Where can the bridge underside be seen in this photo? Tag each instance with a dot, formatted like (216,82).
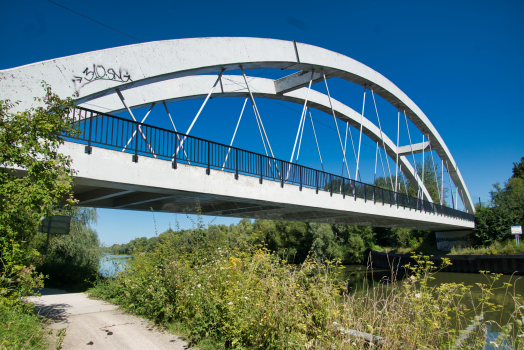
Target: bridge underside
(109,179)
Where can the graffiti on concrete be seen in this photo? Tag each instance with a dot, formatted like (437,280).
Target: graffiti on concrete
(99,72)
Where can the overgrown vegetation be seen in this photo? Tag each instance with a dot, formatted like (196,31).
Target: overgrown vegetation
(34,178)
(243,296)
(508,247)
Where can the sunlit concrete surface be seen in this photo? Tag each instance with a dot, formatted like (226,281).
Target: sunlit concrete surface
(109,179)
(96,74)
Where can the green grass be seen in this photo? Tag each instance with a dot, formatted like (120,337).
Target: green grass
(20,328)
(508,247)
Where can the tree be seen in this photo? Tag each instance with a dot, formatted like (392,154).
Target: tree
(506,209)
(34,178)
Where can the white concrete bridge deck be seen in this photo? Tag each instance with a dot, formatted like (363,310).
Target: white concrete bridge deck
(110,179)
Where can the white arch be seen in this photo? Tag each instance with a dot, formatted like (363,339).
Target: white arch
(197,86)
(95,74)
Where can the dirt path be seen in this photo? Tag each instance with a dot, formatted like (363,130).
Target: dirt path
(94,324)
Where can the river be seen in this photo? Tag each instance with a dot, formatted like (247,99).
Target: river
(358,276)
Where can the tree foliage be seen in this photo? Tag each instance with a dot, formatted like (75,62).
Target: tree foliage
(506,209)
(34,177)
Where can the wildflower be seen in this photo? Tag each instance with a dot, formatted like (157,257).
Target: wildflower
(418,295)
(230,303)
(198,285)
(246,298)
(335,323)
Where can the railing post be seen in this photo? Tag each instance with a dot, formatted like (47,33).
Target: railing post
(260,156)
(174,164)
(316,172)
(135,156)
(208,170)
(365,195)
(382,197)
(236,163)
(374,195)
(88,149)
(282,174)
(343,188)
(300,188)
(331,185)
(355,189)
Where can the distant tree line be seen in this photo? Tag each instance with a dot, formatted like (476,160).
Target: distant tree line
(291,240)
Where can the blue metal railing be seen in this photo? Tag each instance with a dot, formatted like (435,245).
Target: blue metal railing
(141,139)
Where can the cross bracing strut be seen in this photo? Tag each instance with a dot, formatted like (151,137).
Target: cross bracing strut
(360,135)
(134,119)
(316,140)
(382,138)
(134,132)
(234,134)
(200,110)
(174,128)
(300,125)
(336,125)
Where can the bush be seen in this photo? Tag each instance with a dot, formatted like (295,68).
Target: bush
(248,298)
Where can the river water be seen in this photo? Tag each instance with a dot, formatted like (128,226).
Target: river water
(110,264)
(359,276)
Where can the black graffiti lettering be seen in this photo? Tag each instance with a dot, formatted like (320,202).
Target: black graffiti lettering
(100,72)
(111,74)
(98,75)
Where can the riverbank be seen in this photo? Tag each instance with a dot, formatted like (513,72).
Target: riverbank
(472,263)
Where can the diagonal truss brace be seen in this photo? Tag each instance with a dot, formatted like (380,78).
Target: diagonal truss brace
(134,119)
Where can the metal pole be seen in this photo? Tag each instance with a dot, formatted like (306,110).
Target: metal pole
(412,154)
(423,160)
(335,120)
(360,138)
(316,141)
(442,185)
(134,119)
(450,186)
(143,120)
(396,162)
(376,160)
(300,126)
(256,111)
(434,166)
(201,108)
(234,134)
(236,163)
(88,148)
(174,128)
(382,138)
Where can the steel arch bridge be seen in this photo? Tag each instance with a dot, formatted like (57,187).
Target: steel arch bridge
(123,79)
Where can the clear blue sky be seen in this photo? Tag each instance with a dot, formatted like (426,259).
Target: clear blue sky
(459,61)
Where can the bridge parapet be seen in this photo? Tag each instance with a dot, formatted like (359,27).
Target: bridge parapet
(139,140)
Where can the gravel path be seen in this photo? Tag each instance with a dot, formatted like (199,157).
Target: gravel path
(95,324)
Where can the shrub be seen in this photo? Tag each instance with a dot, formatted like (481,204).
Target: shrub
(249,298)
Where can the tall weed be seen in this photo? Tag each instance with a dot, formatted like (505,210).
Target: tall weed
(249,298)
